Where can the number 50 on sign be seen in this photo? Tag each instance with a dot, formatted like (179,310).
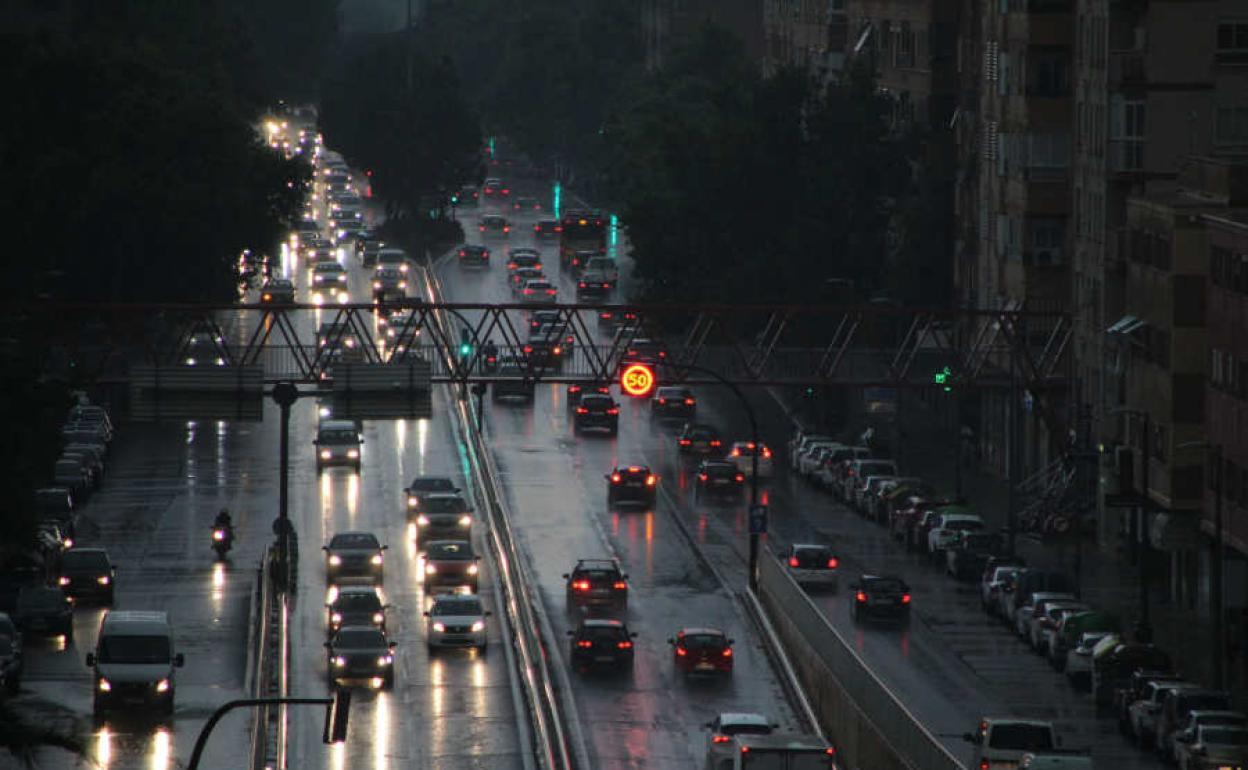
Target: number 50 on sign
(637,380)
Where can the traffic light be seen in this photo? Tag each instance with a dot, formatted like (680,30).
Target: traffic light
(491,148)
(336,717)
(465,344)
(944,378)
(558,196)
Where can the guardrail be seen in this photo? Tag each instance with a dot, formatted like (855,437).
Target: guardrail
(528,622)
(876,730)
(268,667)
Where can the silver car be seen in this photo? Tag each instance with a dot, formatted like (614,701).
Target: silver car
(456,620)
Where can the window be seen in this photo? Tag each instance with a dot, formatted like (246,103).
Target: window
(1047,238)
(1189,300)
(1048,72)
(1188,398)
(1048,150)
(1231,125)
(1233,37)
(905,46)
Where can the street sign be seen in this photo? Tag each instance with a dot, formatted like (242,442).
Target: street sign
(637,380)
(758,520)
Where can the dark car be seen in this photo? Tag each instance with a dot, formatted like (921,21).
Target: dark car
(441,516)
(601,644)
(355,606)
(21,572)
(697,438)
(719,478)
(965,559)
(472,255)
(880,596)
(644,349)
(45,610)
(701,651)
(547,228)
(514,380)
(597,583)
(525,205)
(87,573)
(57,504)
(545,348)
(596,412)
(631,484)
(577,391)
(671,401)
(493,226)
(451,563)
(360,654)
(354,556)
(277,291)
(424,484)
(592,287)
(337,443)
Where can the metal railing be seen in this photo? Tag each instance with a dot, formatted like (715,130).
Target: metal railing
(899,730)
(266,680)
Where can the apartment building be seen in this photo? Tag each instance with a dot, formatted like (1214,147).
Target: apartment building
(796,32)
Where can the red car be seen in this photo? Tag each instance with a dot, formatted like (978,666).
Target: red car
(702,651)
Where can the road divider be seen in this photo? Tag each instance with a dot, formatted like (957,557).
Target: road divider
(559,742)
(268,666)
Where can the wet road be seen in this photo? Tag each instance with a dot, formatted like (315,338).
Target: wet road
(953,666)
(165,485)
(555,487)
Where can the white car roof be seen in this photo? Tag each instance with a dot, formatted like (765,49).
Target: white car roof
(136,622)
(743,718)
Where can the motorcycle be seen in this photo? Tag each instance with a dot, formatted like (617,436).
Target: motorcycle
(222,541)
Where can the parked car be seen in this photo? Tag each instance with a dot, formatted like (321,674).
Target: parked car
(1078,666)
(45,610)
(1176,707)
(1213,746)
(968,553)
(946,529)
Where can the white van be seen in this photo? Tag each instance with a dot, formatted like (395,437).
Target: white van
(1053,760)
(1001,742)
(134,662)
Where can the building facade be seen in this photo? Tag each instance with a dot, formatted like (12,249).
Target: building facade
(666,24)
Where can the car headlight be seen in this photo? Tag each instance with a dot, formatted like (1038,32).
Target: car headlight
(385,660)
(334,560)
(378,618)
(431,569)
(478,625)
(104,685)
(439,627)
(326,454)
(376,284)
(376,558)
(413,501)
(354,454)
(422,520)
(190,361)
(324,411)
(472,569)
(465,520)
(335,618)
(402,284)
(340,661)
(162,685)
(344,298)
(103,580)
(63,580)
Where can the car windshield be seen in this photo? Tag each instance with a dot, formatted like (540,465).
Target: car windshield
(457,607)
(360,638)
(598,402)
(134,649)
(701,433)
(40,598)
(602,633)
(444,504)
(1225,737)
(339,437)
(1021,737)
(748,728)
(450,550)
(83,560)
(964,524)
(702,641)
(432,484)
(361,602)
(354,540)
(596,575)
(885,585)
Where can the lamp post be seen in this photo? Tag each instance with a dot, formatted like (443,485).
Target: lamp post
(1218,560)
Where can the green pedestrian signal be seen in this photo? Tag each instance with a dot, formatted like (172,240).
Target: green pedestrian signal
(944,377)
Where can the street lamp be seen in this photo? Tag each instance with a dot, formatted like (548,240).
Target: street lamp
(1144,629)
(1219,559)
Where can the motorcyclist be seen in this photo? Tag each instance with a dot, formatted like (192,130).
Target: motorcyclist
(223,522)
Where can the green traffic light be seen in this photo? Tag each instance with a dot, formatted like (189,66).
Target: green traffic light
(944,377)
(558,195)
(465,349)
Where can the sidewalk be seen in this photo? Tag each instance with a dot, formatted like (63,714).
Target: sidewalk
(1105,573)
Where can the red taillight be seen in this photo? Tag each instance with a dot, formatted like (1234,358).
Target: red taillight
(727,652)
(552,292)
(581,285)
(605,315)
(716,442)
(537,266)
(985,765)
(684,442)
(651,479)
(689,402)
(766,453)
(580,585)
(860,596)
(831,752)
(681,652)
(662,401)
(584,644)
(740,477)
(582,410)
(793,562)
(574,389)
(832,563)
(537,228)
(512,265)
(721,739)
(506,191)
(528,349)
(559,228)
(506,228)
(615,478)
(905,598)
(736,451)
(620,585)
(624,645)
(702,477)
(612,410)
(527,290)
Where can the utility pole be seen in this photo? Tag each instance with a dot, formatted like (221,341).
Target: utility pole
(285,394)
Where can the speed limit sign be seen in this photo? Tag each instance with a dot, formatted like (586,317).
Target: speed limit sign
(637,380)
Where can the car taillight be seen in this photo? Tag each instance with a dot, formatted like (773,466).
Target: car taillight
(905,598)
(506,191)
(985,765)
(506,228)
(766,453)
(615,478)
(662,401)
(552,292)
(716,442)
(537,228)
(581,285)
(860,596)
(559,228)
(681,652)
(793,562)
(605,315)
(624,645)
(582,410)
(580,585)
(684,442)
(612,410)
(702,477)
(584,644)
(721,739)
(620,585)
(527,290)
(574,388)
(482,228)
(727,652)
(689,402)
(736,452)
(740,477)
(511,265)
(832,563)
(651,479)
